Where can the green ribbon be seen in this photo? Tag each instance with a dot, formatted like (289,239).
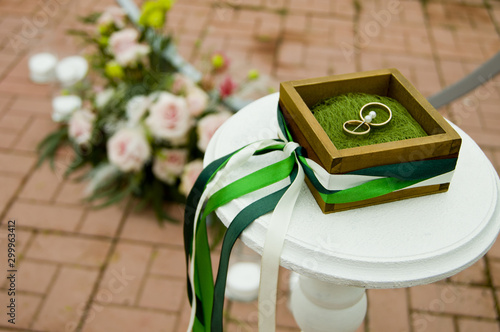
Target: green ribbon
(400,177)
(252,182)
(209,298)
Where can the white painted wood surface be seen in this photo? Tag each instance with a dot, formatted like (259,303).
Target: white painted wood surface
(393,245)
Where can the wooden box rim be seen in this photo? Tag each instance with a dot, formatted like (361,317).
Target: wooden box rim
(329,156)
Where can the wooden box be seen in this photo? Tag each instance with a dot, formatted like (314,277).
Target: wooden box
(297,97)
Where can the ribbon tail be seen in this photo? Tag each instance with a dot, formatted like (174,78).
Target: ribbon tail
(237,226)
(271,253)
(201,288)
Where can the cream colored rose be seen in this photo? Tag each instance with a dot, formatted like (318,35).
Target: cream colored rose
(80,126)
(197,100)
(169,164)
(102,98)
(207,127)
(189,176)
(169,118)
(128,149)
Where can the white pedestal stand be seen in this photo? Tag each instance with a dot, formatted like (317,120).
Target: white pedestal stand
(394,245)
(320,306)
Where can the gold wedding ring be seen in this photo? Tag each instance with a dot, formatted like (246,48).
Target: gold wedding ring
(366,120)
(376,105)
(356,123)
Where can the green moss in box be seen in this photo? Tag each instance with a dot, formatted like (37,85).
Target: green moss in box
(331,114)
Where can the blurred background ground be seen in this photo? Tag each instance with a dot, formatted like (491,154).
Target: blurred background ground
(117,270)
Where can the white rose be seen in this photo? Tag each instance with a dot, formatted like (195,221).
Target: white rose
(136,108)
(126,49)
(102,98)
(128,149)
(64,106)
(169,118)
(197,100)
(189,176)
(207,127)
(80,126)
(169,164)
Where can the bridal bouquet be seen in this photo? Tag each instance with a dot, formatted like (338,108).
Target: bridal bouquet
(142,118)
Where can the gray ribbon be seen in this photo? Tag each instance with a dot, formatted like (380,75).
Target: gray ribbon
(481,75)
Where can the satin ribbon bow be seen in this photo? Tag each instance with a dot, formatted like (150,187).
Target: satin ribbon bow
(211,192)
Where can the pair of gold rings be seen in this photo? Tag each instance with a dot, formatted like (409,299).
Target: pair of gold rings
(366,120)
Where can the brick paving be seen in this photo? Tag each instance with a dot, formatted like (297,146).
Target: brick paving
(116,270)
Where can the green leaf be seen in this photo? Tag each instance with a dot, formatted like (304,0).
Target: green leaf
(85,36)
(48,147)
(76,164)
(141,205)
(79,33)
(90,19)
(115,198)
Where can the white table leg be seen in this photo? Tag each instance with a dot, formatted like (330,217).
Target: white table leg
(325,307)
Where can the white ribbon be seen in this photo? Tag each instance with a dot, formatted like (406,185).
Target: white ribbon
(273,246)
(338,181)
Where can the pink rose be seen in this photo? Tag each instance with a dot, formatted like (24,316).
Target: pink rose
(189,176)
(169,118)
(207,127)
(227,87)
(80,126)
(112,15)
(126,49)
(181,84)
(197,100)
(136,108)
(169,164)
(128,149)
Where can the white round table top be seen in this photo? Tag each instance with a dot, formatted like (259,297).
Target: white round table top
(398,244)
